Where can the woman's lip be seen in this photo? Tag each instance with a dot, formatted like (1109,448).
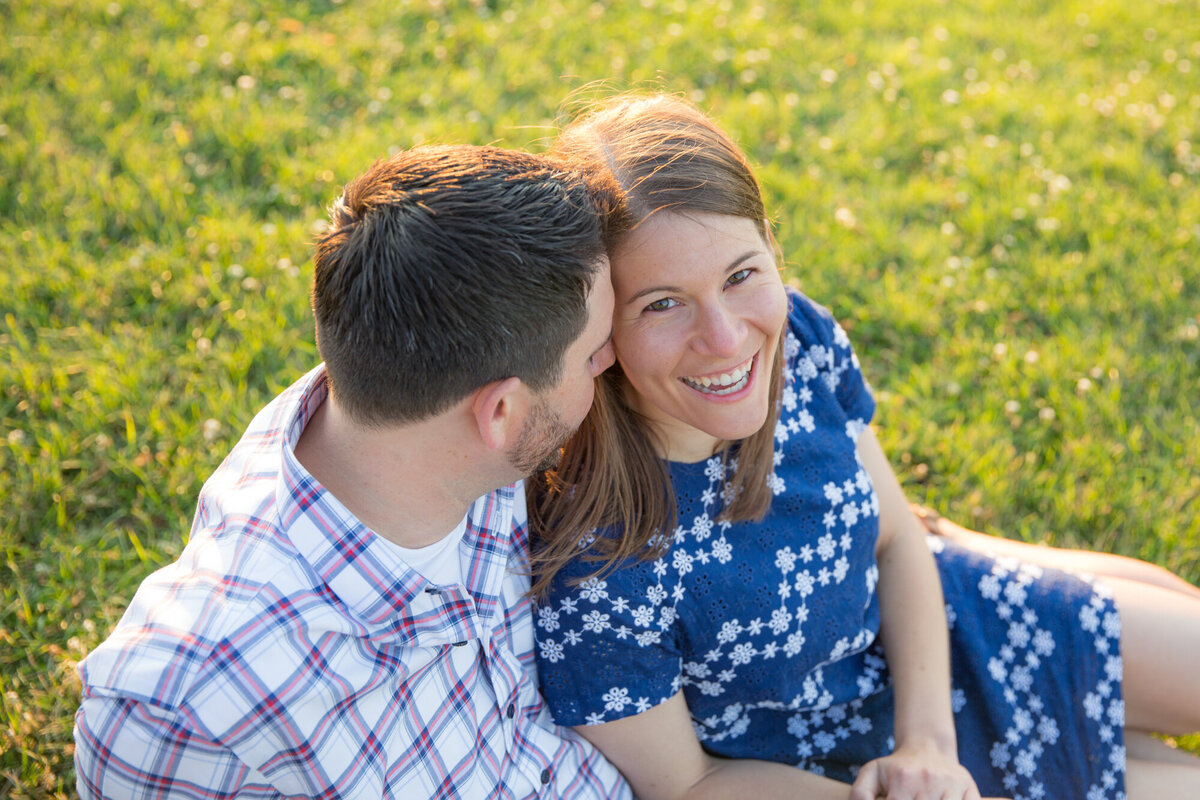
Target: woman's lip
(722,393)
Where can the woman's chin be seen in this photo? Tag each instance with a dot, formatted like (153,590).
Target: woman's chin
(741,428)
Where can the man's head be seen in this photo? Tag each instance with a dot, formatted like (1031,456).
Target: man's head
(449,268)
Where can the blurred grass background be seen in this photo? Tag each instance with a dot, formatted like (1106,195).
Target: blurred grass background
(998,199)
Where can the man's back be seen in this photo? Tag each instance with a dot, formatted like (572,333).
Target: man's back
(291,652)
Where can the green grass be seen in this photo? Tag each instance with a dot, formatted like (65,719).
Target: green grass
(999,200)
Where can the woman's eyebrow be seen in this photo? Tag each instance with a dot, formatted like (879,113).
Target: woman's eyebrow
(654,289)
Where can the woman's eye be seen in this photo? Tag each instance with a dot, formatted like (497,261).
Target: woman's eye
(662,305)
(739,276)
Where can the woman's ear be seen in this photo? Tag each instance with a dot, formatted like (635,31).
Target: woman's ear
(499,409)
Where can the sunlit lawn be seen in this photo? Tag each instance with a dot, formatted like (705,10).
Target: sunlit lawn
(999,200)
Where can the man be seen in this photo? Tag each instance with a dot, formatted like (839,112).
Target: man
(349,616)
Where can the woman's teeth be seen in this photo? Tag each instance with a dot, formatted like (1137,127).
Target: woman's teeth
(726,383)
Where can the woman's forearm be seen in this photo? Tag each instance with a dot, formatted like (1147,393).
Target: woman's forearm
(912,612)
(915,641)
(658,753)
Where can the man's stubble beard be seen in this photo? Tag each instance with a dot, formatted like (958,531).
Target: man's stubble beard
(539,447)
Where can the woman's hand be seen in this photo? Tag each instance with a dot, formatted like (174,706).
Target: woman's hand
(915,773)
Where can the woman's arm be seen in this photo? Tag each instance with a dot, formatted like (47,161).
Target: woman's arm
(915,642)
(658,753)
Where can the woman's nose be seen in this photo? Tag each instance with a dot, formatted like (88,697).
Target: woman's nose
(719,332)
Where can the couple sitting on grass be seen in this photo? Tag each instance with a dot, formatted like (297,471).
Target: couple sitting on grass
(723,587)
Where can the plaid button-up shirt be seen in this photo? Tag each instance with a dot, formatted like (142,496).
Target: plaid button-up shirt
(291,652)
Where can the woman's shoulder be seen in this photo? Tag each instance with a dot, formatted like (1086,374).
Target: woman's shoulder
(817,347)
(813,325)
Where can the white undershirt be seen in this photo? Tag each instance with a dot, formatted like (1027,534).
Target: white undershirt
(439,563)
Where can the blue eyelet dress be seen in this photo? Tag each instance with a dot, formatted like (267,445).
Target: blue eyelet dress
(770,628)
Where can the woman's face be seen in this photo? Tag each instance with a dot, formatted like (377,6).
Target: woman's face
(699,308)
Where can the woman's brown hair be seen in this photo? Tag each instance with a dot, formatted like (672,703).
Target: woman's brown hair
(666,156)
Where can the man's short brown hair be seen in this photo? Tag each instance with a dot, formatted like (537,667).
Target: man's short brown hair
(446,268)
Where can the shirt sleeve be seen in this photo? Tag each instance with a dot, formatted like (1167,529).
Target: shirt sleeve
(128,749)
(817,345)
(607,648)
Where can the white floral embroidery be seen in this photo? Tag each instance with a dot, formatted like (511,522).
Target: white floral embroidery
(593,590)
(616,699)
(643,615)
(547,619)
(595,622)
(551,651)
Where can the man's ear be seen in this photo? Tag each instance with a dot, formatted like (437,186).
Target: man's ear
(499,409)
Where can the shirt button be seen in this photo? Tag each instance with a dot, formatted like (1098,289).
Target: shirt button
(545,776)
(512,712)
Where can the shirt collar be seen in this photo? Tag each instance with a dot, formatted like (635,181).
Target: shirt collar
(367,572)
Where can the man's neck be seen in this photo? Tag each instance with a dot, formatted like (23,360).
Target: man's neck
(411,484)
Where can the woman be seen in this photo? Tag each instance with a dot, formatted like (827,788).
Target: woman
(732,580)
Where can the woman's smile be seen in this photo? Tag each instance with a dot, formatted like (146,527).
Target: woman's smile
(723,384)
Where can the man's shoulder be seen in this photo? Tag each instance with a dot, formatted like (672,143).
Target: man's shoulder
(227,587)
(226,597)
